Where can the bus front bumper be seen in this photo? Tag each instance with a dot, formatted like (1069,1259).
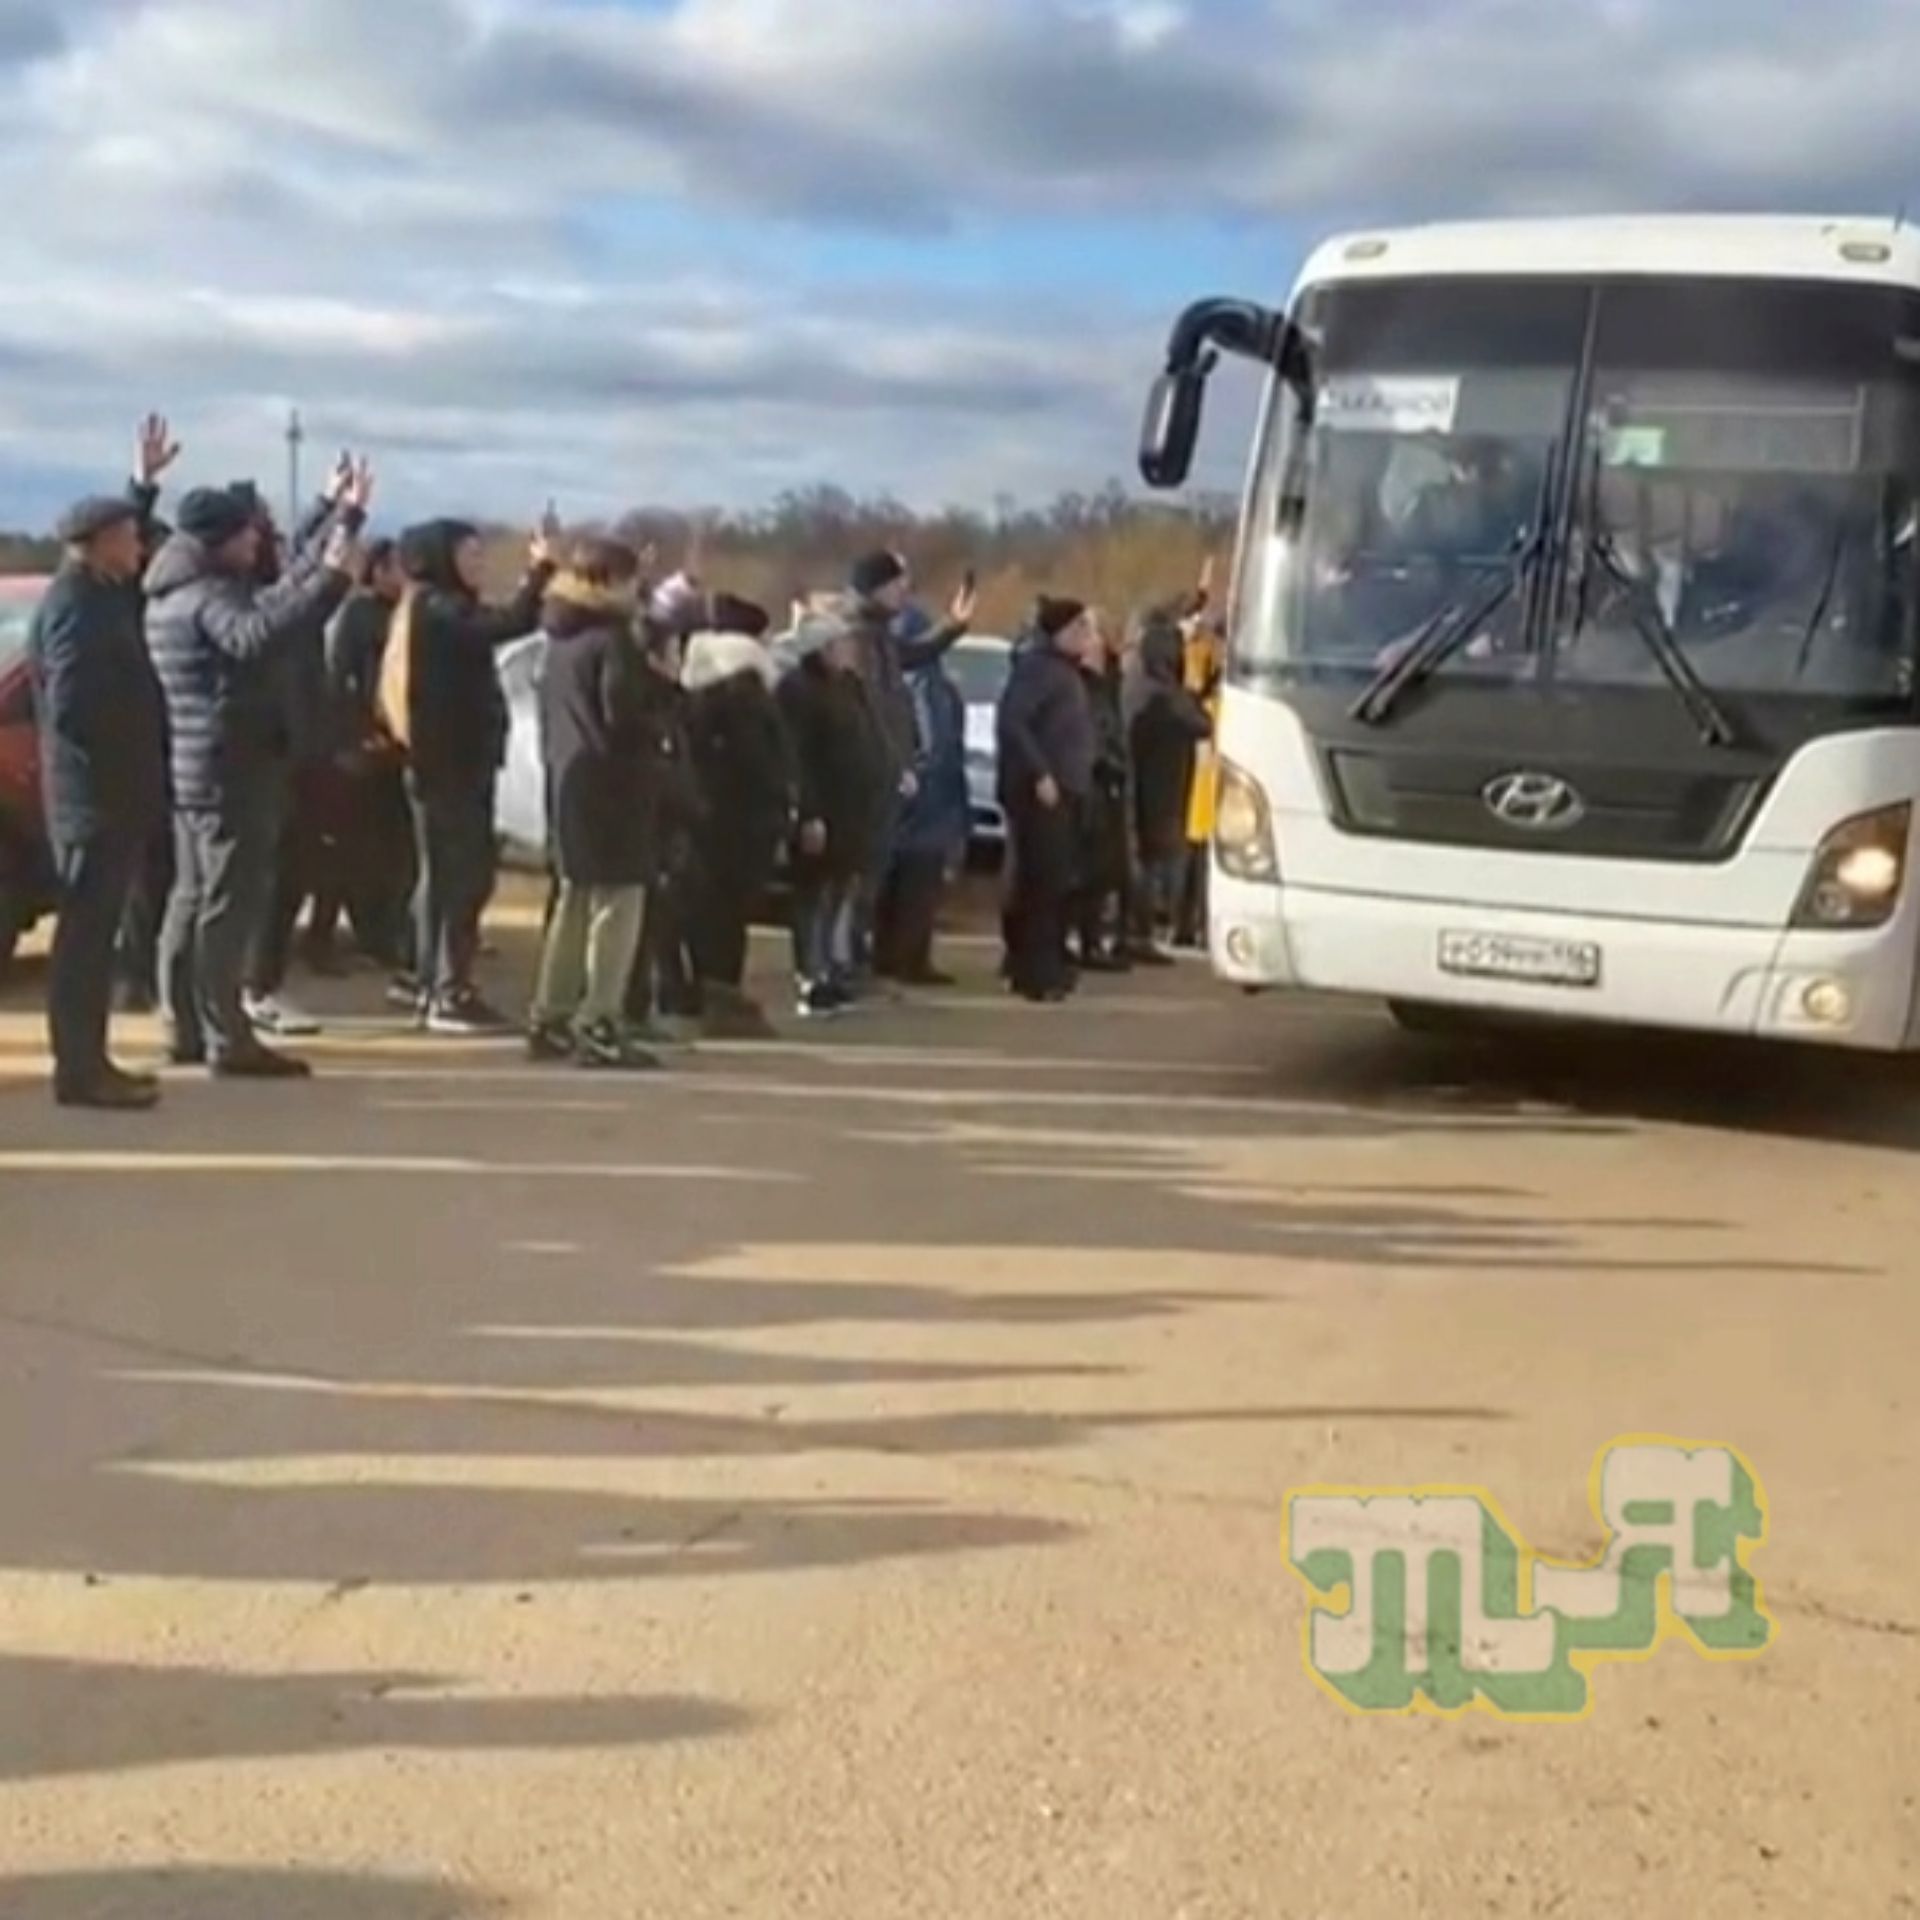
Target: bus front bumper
(1833,989)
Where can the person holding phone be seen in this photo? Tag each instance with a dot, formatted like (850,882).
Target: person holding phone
(441,700)
(877,608)
(932,838)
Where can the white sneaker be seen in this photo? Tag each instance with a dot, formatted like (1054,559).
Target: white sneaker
(269,1013)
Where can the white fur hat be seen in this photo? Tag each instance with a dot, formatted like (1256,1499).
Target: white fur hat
(713,658)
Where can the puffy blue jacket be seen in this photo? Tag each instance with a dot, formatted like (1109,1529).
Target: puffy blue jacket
(215,641)
(939,818)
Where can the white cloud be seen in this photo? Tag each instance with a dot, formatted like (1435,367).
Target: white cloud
(409,213)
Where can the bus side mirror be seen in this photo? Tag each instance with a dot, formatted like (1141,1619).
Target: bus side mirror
(1172,429)
(1206,330)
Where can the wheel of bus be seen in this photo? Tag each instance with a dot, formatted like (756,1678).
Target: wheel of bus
(1432,1021)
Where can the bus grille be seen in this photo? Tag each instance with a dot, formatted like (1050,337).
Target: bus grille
(1624,813)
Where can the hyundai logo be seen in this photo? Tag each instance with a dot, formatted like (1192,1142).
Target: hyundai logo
(1538,802)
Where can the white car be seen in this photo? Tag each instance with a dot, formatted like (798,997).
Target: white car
(981,668)
(520,807)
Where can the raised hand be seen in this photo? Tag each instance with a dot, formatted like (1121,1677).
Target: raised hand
(341,478)
(344,554)
(353,484)
(966,603)
(154,450)
(545,548)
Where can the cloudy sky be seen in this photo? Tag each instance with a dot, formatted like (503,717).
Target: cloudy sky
(696,251)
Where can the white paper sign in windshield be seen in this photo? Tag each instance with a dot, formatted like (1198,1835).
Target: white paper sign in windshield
(1390,403)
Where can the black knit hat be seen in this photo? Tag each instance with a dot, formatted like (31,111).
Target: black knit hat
(213,516)
(426,553)
(1053,617)
(249,495)
(87,519)
(876,573)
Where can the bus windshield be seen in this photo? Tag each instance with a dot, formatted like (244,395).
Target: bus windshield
(1737,461)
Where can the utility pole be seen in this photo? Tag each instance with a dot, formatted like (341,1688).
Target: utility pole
(296,439)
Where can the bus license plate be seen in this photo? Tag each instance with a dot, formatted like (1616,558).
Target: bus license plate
(1499,956)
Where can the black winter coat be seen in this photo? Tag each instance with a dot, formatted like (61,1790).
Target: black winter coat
(103,752)
(1167,732)
(841,760)
(215,639)
(745,766)
(885,661)
(356,648)
(675,803)
(1112,751)
(599,735)
(1106,829)
(301,665)
(1046,727)
(458,714)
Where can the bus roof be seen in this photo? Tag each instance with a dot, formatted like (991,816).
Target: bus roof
(1862,251)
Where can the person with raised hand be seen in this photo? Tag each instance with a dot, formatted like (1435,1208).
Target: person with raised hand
(441,701)
(216,634)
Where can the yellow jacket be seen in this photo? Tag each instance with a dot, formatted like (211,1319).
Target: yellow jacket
(1201,672)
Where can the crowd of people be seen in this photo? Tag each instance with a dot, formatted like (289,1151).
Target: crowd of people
(259,746)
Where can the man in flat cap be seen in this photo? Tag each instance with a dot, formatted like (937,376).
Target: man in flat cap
(103,765)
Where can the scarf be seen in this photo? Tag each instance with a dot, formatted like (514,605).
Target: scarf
(393,705)
(572,590)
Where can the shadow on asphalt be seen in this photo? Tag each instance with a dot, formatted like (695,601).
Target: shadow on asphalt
(283,1373)
(1588,1077)
(237,1893)
(97,1718)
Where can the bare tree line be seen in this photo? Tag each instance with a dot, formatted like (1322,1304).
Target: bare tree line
(1106,547)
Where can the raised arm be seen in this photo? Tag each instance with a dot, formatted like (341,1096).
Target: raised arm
(930,647)
(154,451)
(312,528)
(501,626)
(244,627)
(345,502)
(934,646)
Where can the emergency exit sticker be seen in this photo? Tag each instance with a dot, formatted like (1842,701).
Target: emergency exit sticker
(1390,403)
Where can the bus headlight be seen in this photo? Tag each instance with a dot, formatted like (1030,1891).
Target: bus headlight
(1858,873)
(1243,840)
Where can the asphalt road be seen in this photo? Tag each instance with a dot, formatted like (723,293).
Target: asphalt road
(846,1476)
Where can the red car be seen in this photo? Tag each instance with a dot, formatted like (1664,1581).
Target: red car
(26,876)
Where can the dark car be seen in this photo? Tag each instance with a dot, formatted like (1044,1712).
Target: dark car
(26,874)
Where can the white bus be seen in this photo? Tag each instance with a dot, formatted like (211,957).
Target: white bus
(1576,628)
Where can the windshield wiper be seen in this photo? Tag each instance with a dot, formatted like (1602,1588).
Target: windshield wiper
(1650,623)
(1460,621)
(1829,588)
